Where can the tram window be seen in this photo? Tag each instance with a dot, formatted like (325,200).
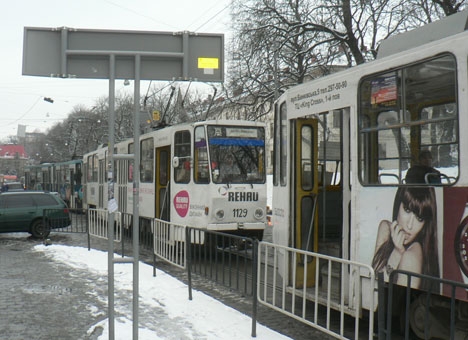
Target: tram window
(78,174)
(89,169)
(404,112)
(182,151)
(116,168)
(163,160)
(283,159)
(237,154)
(307,158)
(92,168)
(275,151)
(201,165)
(146,160)
(130,163)
(102,178)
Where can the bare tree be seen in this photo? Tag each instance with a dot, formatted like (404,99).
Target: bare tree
(180,102)
(87,128)
(280,43)
(449,6)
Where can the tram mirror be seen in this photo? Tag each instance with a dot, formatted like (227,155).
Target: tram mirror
(175,162)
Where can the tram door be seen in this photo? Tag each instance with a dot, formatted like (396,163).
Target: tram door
(162,183)
(305,185)
(102,178)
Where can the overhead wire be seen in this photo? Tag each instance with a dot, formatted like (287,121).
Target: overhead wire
(24,114)
(214,16)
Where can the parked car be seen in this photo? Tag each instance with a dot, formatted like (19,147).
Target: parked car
(14,186)
(35,212)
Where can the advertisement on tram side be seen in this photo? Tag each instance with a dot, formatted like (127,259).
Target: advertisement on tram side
(417,229)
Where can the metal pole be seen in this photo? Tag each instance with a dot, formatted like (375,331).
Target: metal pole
(110,234)
(136,194)
(254,286)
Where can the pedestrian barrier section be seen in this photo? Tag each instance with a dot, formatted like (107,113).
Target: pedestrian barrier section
(76,222)
(146,229)
(225,259)
(315,294)
(98,220)
(424,312)
(145,232)
(61,220)
(169,242)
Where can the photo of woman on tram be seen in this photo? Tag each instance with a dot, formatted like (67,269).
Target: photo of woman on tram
(409,241)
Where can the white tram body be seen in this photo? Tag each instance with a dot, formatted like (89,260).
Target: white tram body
(346,141)
(95,178)
(184,177)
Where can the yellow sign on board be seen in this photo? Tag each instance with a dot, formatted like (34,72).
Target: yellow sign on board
(208,63)
(156,115)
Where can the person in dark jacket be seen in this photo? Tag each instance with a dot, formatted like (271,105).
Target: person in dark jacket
(423,172)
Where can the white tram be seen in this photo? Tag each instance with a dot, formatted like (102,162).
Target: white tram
(345,143)
(208,174)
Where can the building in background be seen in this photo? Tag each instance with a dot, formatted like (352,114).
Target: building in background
(13,159)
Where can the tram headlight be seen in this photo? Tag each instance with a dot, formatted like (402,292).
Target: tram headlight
(259,213)
(219,214)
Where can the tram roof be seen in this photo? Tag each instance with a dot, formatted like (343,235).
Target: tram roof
(451,25)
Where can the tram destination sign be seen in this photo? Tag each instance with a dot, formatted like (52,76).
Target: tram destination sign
(83,53)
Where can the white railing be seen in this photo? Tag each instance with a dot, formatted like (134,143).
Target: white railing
(289,280)
(169,242)
(98,220)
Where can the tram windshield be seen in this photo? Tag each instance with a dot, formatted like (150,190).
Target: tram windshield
(237,154)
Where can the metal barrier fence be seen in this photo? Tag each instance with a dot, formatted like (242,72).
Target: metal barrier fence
(289,286)
(145,235)
(76,223)
(430,315)
(69,221)
(98,220)
(169,242)
(225,259)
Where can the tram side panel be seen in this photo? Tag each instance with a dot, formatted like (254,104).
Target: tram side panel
(401,107)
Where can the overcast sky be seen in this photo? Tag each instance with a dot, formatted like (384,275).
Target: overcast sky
(21,97)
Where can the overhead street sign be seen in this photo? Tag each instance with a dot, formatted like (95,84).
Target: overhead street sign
(84,53)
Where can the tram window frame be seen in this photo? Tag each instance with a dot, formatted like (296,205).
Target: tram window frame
(102,172)
(275,151)
(280,139)
(92,168)
(78,174)
(89,169)
(307,158)
(147,160)
(130,163)
(406,104)
(283,149)
(163,162)
(182,150)
(201,163)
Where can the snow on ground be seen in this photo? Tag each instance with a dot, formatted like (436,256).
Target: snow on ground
(201,318)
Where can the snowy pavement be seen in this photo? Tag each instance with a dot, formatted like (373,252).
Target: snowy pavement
(165,311)
(59,292)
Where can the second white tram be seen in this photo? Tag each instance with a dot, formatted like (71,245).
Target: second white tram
(208,174)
